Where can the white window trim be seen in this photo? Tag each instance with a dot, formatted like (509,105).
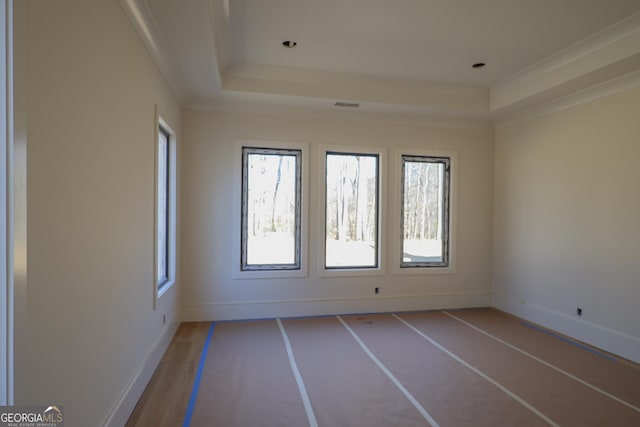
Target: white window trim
(397,209)
(7,205)
(171,237)
(236,270)
(381,152)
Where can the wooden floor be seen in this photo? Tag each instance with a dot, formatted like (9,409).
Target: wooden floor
(477,367)
(164,401)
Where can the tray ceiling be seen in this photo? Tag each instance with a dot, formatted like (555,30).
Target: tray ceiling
(409,57)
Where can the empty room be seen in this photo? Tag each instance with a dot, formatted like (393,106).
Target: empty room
(322,213)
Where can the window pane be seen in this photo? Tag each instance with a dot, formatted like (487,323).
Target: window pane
(271,209)
(351,227)
(163,208)
(425,211)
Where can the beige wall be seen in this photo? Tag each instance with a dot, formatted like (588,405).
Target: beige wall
(208,181)
(566,221)
(90,92)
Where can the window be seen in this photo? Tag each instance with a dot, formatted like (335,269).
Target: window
(165,207)
(271,209)
(425,191)
(351,210)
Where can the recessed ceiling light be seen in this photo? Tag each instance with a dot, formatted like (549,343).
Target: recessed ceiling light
(290,44)
(478,65)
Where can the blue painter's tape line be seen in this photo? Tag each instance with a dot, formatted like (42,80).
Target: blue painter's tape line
(196,381)
(577,344)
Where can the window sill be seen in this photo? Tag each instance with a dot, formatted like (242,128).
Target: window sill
(423,271)
(350,272)
(268,274)
(165,287)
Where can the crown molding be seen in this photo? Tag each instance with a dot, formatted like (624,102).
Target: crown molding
(220,21)
(279,105)
(443,98)
(606,55)
(142,20)
(610,87)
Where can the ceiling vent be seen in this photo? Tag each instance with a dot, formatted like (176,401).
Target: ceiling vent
(347,104)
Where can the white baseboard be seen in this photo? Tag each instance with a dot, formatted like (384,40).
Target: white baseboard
(330,306)
(615,342)
(129,398)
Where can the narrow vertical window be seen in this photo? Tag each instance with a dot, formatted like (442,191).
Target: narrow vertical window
(271,209)
(425,211)
(351,210)
(165,208)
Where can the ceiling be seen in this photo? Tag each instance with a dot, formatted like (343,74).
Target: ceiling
(400,58)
